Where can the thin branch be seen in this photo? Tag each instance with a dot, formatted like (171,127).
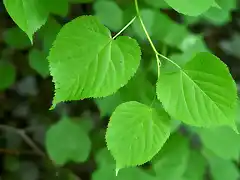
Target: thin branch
(148,37)
(25,137)
(124,28)
(16,152)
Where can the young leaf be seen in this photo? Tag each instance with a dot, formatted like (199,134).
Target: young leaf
(86,62)
(7,75)
(67,141)
(108,173)
(202,93)
(28,15)
(108,104)
(104,158)
(16,38)
(48,33)
(136,133)
(110,14)
(171,161)
(59,7)
(196,166)
(38,61)
(217,16)
(222,141)
(189,7)
(227,5)
(221,169)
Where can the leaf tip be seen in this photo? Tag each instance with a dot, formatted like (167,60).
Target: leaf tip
(117,171)
(52,107)
(30,38)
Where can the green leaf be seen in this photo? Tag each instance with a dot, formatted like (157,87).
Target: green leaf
(189,7)
(38,61)
(108,104)
(196,166)
(110,14)
(104,158)
(86,62)
(108,173)
(147,93)
(16,38)
(136,133)
(7,75)
(67,141)
(48,33)
(221,169)
(59,7)
(221,141)
(85,122)
(157,3)
(170,163)
(227,5)
(28,15)
(203,92)
(217,16)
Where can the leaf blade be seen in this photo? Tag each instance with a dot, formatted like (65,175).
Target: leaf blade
(94,64)
(28,15)
(149,131)
(205,90)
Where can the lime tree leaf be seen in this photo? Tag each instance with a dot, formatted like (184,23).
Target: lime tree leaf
(221,169)
(171,162)
(189,7)
(110,14)
(136,133)
(7,75)
(48,33)
(222,141)
(108,104)
(203,92)
(196,166)
(28,15)
(38,61)
(108,173)
(67,141)
(86,62)
(16,38)
(157,3)
(104,158)
(59,7)
(217,16)
(85,122)
(227,5)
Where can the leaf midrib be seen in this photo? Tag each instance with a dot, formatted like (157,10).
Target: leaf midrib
(195,84)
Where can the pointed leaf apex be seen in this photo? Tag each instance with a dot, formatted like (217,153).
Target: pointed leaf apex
(117,171)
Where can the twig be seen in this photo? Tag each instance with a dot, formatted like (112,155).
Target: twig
(16,152)
(25,137)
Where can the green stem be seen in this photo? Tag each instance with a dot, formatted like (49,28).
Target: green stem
(151,43)
(148,37)
(124,28)
(164,57)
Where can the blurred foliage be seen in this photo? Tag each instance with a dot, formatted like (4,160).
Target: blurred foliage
(74,133)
